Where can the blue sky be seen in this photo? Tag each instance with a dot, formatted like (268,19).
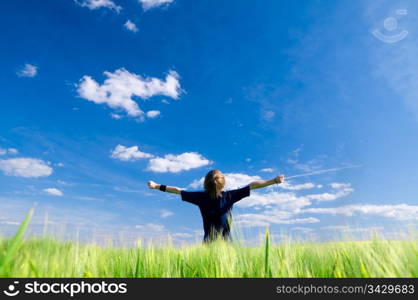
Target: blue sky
(100,96)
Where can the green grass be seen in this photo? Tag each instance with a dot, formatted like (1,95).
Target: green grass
(48,257)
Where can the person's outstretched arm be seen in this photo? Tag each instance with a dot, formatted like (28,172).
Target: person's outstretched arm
(168,189)
(263,183)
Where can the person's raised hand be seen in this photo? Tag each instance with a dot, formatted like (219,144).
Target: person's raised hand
(152,184)
(279,178)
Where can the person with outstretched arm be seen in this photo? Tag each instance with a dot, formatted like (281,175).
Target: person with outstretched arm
(215,204)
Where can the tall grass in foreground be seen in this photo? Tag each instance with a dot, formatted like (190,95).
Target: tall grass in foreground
(47,257)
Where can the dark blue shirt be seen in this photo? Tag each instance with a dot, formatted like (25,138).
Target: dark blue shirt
(216,212)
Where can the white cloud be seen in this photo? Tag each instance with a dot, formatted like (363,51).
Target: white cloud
(304,186)
(237,180)
(115,116)
(119,88)
(262,220)
(289,202)
(62,182)
(28,71)
(148,4)
(96,4)
(297,202)
(282,208)
(8,151)
(343,189)
(128,153)
(303,229)
(274,207)
(338,185)
(197,183)
(347,228)
(53,192)
(177,163)
(12,151)
(309,166)
(336,227)
(164,213)
(318,172)
(182,235)
(153,113)
(131,26)
(25,167)
(88,198)
(12,223)
(291,161)
(150,227)
(267,170)
(268,115)
(399,211)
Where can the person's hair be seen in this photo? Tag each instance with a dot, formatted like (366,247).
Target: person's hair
(214,183)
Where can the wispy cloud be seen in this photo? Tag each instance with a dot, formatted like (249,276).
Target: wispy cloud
(28,71)
(96,4)
(54,192)
(25,167)
(267,170)
(9,223)
(8,151)
(397,211)
(128,153)
(302,229)
(309,166)
(150,227)
(182,235)
(266,219)
(120,86)
(342,190)
(347,228)
(131,26)
(164,213)
(268,115)
(148,4)
(322,171)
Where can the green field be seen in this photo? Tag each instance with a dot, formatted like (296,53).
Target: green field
(44,257)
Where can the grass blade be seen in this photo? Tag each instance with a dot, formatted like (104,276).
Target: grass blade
(14,243)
